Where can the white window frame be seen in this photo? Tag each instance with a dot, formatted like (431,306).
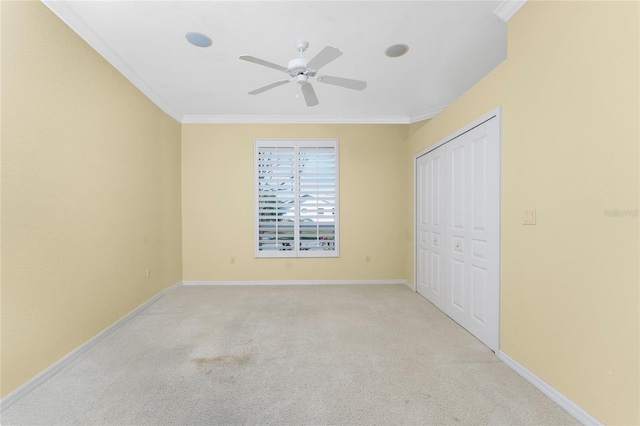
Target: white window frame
(296,252)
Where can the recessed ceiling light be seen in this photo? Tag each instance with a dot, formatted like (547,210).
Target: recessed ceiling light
(199,39)
(396,50)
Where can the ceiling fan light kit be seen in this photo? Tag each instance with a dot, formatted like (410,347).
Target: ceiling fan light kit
(302,69)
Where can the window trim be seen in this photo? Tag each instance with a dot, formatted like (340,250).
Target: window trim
(296,143)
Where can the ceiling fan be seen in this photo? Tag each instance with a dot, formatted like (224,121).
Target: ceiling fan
(302,69)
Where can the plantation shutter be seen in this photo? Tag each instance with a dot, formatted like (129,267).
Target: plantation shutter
(296,198)
(276,197)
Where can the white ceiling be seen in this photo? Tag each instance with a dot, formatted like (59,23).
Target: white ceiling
(453,44)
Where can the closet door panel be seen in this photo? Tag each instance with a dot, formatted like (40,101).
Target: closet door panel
(484,262)
(435,277)
(429,221)
(457,173)
(457,306)
(458,216)
(457,224)
(479,294)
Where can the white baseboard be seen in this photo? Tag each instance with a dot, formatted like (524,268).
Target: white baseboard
(571,407)
(68,358)
(294,282)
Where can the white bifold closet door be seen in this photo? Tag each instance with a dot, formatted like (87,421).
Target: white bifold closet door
(458,229)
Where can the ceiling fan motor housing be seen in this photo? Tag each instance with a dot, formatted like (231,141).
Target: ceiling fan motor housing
(297,66)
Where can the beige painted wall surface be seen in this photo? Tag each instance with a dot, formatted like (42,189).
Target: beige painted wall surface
(90,193)
(218,209)
(570,285)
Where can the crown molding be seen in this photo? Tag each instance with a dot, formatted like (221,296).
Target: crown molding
(77,25)
(508,8)
(294,119)
(311,119)
(413,118)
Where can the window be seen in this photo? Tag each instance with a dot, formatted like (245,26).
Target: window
(296,198)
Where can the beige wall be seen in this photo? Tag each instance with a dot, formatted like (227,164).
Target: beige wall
(570,137)
(218,209)
(90,193)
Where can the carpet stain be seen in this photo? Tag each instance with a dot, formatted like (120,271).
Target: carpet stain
(223,361)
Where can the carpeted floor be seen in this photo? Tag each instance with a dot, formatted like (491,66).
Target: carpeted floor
(294,355)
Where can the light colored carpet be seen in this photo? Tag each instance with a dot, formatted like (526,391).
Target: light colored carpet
(295,355)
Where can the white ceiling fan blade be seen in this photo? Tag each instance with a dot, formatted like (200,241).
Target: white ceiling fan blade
(325,56)
(343,82)
(267,87)
(263,62)
(309,95)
